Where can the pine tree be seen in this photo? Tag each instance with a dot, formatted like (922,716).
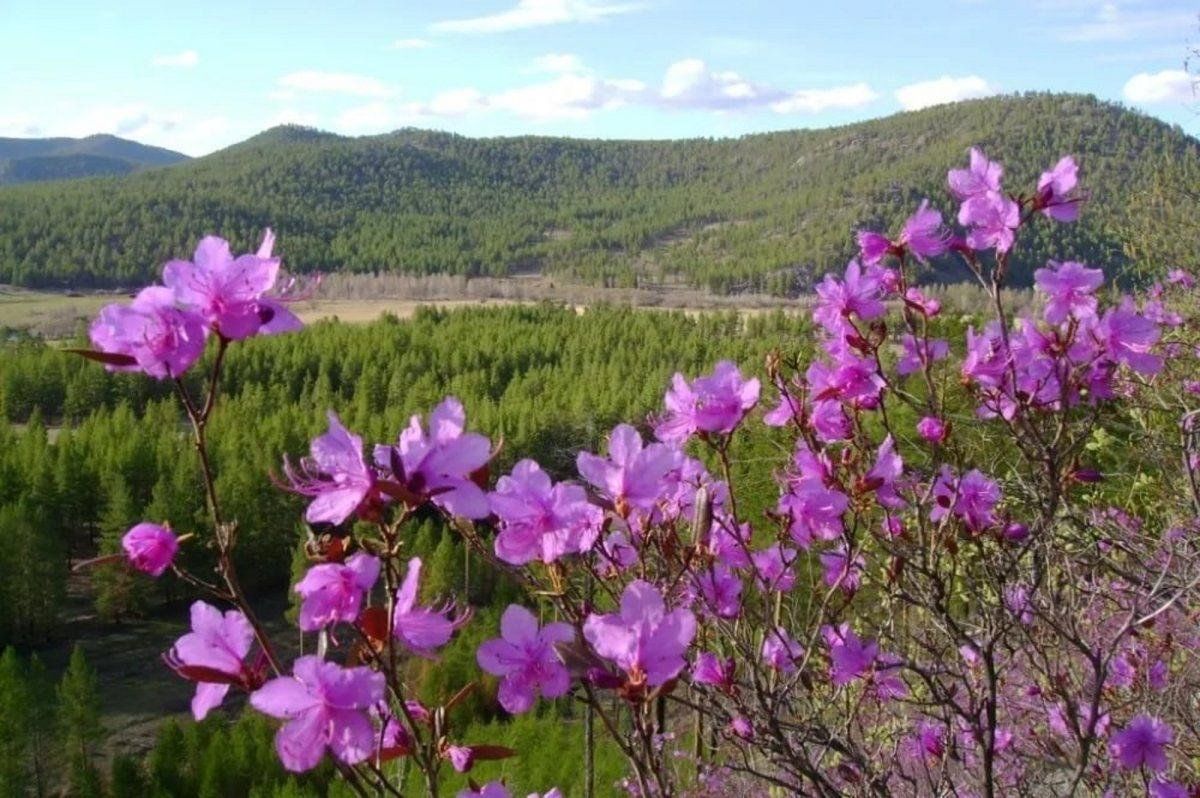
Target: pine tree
(40,723)
(15,708)
(79,724)
(118,590)
(128,780)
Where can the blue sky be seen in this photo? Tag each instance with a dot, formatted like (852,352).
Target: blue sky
(197,77)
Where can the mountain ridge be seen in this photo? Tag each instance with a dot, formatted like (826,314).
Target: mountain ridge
(26,160)
(764,212)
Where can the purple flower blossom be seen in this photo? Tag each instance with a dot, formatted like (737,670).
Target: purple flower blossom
(150,548)
(1142,743)
(922,235)
(1016,601)
(631,476)
(422,629)
(643,639)
(1054,189)
(712,670)
(325,706)
(841,571)
(987,358)
(212,655)
(993,219)
(780,651)
(493,789)
(773,568)
(885,474)
(228,292)
(1168,789)
(917,354)
(335,475)
(617,552)
(440,466)
(925,305)
(850,657)
(981,177)
(715,404)
(928,742)
(333,592)
(461,757)
(525,659)
(932,429)
(814,511)
(977,498)
(540,520)
(1069,289)
(162,340)
(742,728)
(721,591)
(1129,338)
(1181,278)
(858,294)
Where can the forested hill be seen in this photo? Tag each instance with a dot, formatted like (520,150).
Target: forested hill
(35,160)
(767,212)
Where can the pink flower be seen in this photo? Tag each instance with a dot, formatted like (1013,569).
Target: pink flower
(1181,278)
(325,706)
(333,592)
(617,552)
(885,474)
(993,219)
(334,474)
(981,177)
(780,651)
(1129,338)
(631,476)
(841,571)
(151,334)
(972,499)
(1069,289)
(715,404)
(212,655)
(850,657)
(859,294)
(711,670)
(928,742)
(540,520)
(814,511)
(720,590)
(741,727)
(1168,789)
(150,548)
(922,235)
(925,305)
(440,466)
(493,789)
(525,659)
(932,429)
(773,568)
(229,292)
(643,639)
(1054,189)
(1142,743)
(919,353)
(422,629)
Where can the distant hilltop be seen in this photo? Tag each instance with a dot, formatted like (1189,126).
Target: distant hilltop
(37,160)
(766,213)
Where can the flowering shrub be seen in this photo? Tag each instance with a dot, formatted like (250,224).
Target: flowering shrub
(919,614)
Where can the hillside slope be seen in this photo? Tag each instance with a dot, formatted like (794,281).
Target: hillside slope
(37,160)
(767,212)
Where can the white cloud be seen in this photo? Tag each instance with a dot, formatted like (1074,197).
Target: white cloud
(1170,85)
(411,44)
(569,96)
(814,101)
(945,89)
(20,125)
(185,60)
(691,84)
(535,13)
(1113,23)
(455,102)
(558,63)
(314,81)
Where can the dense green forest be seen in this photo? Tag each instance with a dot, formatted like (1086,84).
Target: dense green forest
(84,454)
(767,212)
